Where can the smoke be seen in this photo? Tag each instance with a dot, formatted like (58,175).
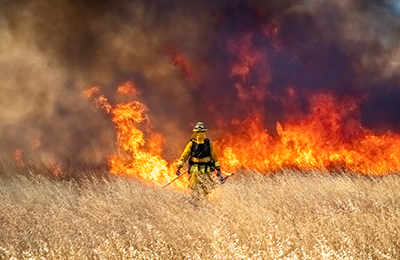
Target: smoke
(364,36)
(52,51)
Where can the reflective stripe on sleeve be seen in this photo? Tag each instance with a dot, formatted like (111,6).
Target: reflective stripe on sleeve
(180,163)
(217,165)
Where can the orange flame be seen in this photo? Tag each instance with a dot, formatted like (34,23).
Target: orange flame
(128,88)
(137,156)
(92,91)
(327,138)
(330,137)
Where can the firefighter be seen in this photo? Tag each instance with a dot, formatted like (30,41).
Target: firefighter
(202,161)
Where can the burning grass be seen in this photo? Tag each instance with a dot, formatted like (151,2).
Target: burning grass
(289,215)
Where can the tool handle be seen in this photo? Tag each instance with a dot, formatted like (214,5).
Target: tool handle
(175,179)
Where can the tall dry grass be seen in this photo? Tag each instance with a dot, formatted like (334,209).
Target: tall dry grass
(291,215)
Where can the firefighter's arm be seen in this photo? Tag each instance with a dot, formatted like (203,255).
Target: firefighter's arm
(185,155)
(214,156)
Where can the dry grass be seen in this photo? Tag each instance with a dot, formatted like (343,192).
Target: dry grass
(290,215)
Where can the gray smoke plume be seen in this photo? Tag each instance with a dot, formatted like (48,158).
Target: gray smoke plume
(52,51)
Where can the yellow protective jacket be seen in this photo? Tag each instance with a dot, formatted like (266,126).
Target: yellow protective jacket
(198,138)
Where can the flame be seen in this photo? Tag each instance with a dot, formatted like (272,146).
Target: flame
(92,91)
(329,136)
(137,156)
(326,138)
(128,88)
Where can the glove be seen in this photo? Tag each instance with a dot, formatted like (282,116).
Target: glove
(178,170)
(221,179)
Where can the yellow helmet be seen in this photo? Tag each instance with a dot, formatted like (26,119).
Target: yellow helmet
(199,127)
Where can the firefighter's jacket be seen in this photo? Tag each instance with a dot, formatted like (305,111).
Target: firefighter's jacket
(199,138)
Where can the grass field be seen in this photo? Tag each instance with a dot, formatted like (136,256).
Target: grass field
(288,215)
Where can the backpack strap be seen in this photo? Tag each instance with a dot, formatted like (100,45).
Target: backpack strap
(191,152)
